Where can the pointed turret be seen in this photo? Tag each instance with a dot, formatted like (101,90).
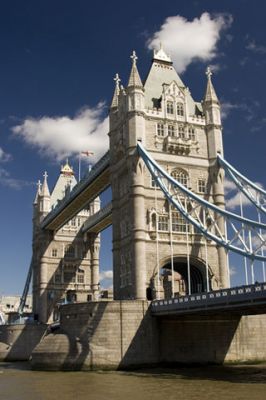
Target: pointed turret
(114,102)
(38,193)
(210,95)
(135,104)
(211,105)
(211,108)
(45,198)
(134,78)
(45,189)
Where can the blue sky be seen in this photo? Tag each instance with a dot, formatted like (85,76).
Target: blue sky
(58,60)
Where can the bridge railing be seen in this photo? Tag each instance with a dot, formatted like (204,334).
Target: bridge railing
(213,298)
(78,188)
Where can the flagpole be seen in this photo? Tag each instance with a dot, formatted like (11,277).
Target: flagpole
(79,165)
(86,153)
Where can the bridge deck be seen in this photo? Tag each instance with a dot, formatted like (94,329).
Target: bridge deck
(97,180)
(244,300)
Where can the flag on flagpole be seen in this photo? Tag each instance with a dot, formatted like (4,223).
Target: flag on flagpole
(87,153)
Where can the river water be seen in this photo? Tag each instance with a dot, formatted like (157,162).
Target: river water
(18,382)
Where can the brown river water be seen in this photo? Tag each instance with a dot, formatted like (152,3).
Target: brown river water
(18,382)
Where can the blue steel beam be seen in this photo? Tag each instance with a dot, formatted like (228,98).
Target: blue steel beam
(256,195)
(164,180)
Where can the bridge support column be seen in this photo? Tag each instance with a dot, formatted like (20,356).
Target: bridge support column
(95,252)
(138,231)
(42,300)
(218,195)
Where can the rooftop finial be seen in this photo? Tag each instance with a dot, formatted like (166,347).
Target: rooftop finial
(117,80)
(208,72)
(45,175)
(134,57)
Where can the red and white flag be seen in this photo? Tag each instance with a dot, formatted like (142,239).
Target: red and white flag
(87,153)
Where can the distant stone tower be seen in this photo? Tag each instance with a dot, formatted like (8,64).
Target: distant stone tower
(65,263)
(184,136)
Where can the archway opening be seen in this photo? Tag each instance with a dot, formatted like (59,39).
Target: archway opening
(179,282)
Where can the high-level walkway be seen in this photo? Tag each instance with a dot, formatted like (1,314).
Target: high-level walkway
(95,182)
(243,300)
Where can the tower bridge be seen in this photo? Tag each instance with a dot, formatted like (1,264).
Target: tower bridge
(171,230)
(172,235)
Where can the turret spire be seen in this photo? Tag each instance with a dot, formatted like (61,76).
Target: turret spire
(45,189)
(210,94)
(134,78)
(38,193)
(45,198)
(114,102)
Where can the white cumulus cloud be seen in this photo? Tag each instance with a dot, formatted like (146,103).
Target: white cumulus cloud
(187,41)
(60,137)
(233,195)
(4,157)
(106,275)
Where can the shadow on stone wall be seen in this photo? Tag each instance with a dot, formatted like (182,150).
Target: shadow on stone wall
(69,348)
(197,339)
(18,341)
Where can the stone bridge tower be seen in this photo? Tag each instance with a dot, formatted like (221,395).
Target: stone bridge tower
(184,136)
(65,262)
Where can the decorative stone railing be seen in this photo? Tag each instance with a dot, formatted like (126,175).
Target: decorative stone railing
(177,145)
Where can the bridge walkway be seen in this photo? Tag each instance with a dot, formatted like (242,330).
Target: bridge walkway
(95,182)
(243,300)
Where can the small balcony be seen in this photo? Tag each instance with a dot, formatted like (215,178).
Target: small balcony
(176,145)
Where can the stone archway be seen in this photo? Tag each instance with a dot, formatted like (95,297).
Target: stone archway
(197,277)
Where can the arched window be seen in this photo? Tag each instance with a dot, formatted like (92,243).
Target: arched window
(170,107)
(180,109)
(69,251)
(181,132)
(180,176)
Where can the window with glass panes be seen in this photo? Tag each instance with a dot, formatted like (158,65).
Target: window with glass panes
(81,277)
(181,132)
(160,130)
(202,185)
(170,107)
(171,130)
(180,176)
(54,252)
(69,251)
(191,133)
(153,183)
(178,222)
(163,223)
(180,109)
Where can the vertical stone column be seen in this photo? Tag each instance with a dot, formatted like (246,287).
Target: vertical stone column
(95,254)
(218,198)
(138,231)
(42,301)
